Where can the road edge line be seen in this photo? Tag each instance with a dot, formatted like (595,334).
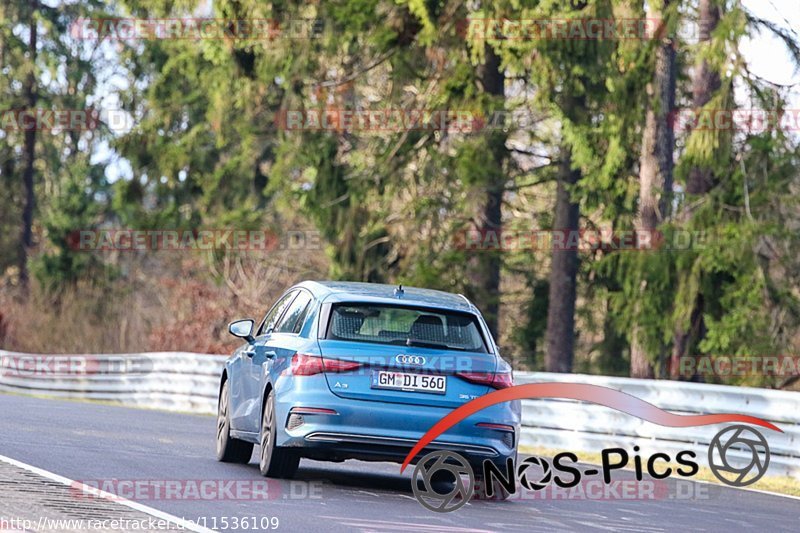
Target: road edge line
(184,524)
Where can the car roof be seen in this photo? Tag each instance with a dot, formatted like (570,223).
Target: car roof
(351,291)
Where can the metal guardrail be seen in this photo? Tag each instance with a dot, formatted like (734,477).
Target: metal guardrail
(173,381)
(179,381)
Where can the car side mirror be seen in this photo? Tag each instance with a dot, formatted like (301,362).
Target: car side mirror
(242,329)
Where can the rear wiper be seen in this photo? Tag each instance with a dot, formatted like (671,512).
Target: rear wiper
(423,344)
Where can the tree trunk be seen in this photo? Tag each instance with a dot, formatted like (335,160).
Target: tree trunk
(3,16)
(705,82)
(563,273)
(487,264)
(641,367)
(656,163)
(29,153)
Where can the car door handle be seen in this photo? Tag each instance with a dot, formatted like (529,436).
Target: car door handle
(251,352)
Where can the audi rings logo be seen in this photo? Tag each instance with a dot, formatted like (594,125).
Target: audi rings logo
(738,455)
(438,481)
(416,360)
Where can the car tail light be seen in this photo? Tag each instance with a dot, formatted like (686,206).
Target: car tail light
(498,381)
(306,365)
(499,427)
(309,365)
(313,411)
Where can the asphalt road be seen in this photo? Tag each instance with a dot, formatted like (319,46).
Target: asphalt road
(97,443)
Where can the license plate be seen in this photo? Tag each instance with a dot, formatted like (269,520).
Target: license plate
(404,381)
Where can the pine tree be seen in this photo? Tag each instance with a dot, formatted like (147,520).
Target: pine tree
(658,144)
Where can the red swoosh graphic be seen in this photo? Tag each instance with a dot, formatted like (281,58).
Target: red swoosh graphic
(612,398)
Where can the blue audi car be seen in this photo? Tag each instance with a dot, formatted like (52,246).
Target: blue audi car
(339,371)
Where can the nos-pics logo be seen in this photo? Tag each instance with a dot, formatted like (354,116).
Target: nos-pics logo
(444,481)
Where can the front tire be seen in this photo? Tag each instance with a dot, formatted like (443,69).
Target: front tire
(229,450)
(274,461)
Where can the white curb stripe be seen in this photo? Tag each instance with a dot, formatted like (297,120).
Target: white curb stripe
(185,524)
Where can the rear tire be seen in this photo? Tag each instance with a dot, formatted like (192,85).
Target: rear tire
(274,461)
(229,450)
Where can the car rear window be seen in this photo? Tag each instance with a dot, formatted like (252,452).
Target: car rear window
(408,326)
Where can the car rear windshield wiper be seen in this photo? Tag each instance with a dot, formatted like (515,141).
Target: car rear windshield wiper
(425,344)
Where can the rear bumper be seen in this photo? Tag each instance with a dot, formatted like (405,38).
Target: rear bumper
(366,447)
(382,431)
